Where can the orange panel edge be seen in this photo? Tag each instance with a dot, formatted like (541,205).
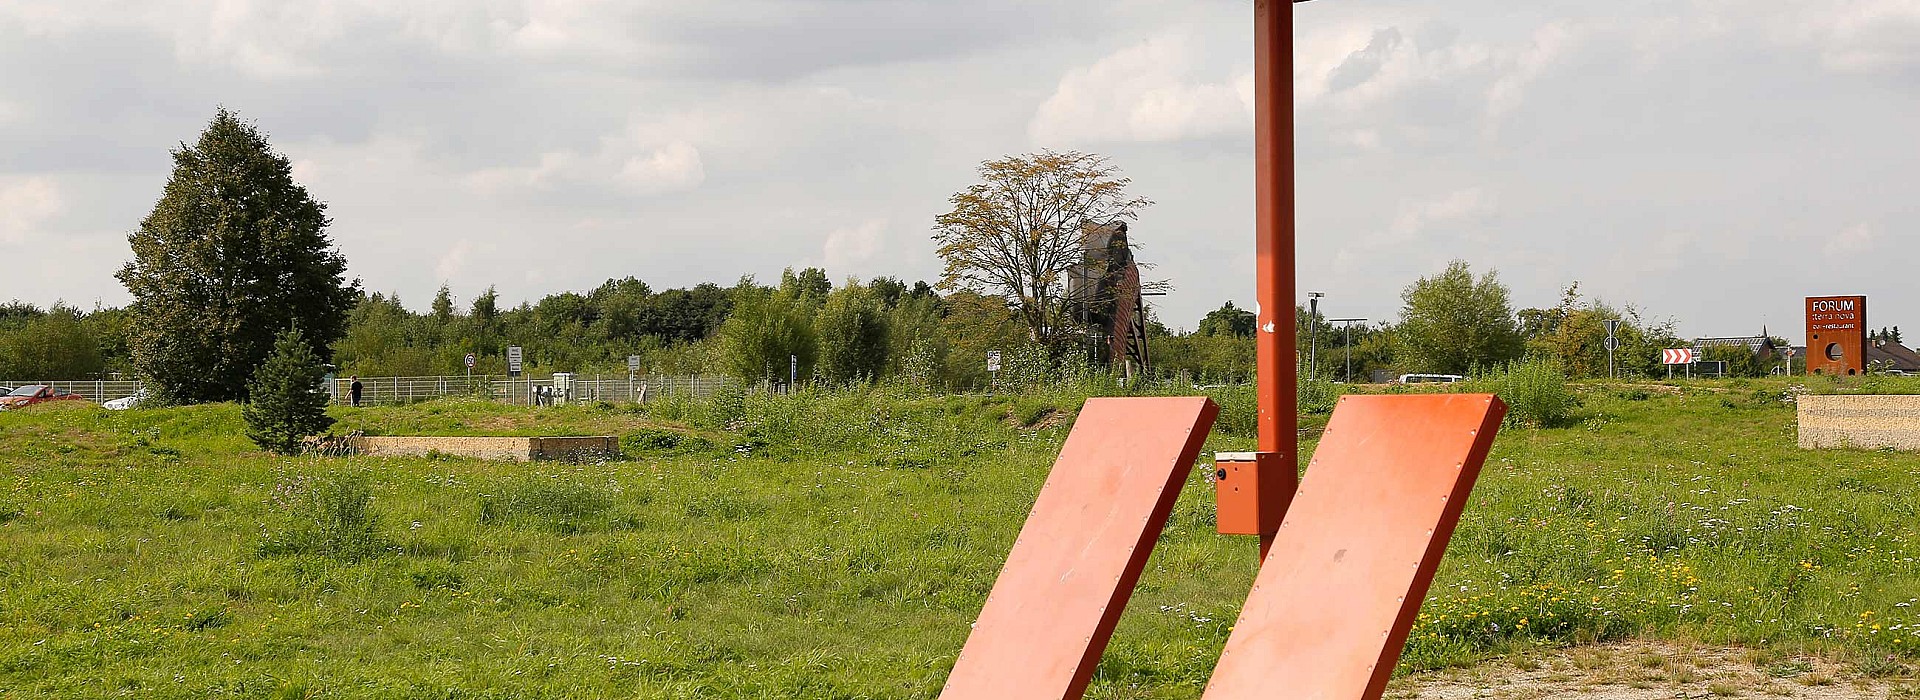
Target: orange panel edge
(1071,571)
(1336,598)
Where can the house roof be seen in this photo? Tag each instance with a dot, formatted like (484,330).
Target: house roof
(1899,356)
(1753,343)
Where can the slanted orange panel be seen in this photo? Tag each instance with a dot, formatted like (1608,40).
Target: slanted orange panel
(1080,553)
(1339,590)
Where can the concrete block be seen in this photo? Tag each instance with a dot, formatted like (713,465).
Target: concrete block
(1869,422)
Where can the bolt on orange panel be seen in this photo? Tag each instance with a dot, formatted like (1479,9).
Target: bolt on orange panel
(1081,551)
(1339,590)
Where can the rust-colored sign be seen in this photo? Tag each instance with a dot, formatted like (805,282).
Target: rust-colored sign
(1837,335)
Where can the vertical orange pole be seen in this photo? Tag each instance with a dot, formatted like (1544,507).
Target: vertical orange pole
(1277,372)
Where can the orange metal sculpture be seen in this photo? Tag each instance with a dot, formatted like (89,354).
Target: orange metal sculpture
(1336,595)
(1082,549)
(1346,558)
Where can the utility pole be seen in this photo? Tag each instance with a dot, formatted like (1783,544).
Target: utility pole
(1613,343)
(1276,354)
(1349,342)
(1313,335)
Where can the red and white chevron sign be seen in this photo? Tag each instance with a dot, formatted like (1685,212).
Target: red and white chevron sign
(1682,356)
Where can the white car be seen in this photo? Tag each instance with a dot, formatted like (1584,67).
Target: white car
(124,403)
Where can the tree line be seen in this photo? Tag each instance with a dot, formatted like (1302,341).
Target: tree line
(234,259)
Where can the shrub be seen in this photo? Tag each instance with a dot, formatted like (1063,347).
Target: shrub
(330,516)
(285,404)
(1535,391)
(561,506)
(725,408)
(1239,410)
(1317,397)
(662,440)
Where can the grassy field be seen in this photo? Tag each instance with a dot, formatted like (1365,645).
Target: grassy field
(837,545)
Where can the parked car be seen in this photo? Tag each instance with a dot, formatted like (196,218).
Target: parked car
(126,402)
(1423,378)
(33,394)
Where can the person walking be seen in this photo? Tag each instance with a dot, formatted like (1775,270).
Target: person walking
(354,389)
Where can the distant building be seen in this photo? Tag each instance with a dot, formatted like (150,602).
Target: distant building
(1760,345)
(1884,355)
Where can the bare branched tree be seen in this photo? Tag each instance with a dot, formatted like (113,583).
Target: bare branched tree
(1018,233)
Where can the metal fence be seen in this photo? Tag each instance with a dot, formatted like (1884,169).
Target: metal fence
(380,391)
(96,391)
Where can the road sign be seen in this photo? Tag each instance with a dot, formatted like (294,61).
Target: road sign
(470,361)
(633,363)
(993,360)
(1613,326)
(1613,343)
(1678,356)
(513,360)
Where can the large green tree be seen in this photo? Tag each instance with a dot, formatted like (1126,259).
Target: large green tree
(1227,320)
(55,345)
(233,252)
(1019,231)
(1574,334)
(1453,322)
(767,330)
(853,330)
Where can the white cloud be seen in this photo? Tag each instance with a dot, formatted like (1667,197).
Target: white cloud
(1872,35)
(1145,92)
(1524,65)
(535,129)
(26,204)
(631,162)
(852,247)
(673,167)
(1848,35)
(1378,79)
(1853,241)
(454,261)
(1461,205)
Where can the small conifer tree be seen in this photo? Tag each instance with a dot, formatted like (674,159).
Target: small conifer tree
(285,402)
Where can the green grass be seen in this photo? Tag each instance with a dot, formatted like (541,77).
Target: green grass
(837,545)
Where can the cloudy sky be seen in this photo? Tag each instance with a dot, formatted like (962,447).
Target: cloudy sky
(1710,161)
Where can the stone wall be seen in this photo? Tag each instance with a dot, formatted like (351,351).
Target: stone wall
(518,449)
(1870,422)
(573,449)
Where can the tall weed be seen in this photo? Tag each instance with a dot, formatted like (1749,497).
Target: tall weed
(329,516)
(560,506)
(1535,390)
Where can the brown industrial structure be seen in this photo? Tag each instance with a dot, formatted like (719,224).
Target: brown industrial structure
(1105,293)
(1837,335)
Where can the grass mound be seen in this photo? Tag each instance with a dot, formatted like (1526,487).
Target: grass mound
(838,544)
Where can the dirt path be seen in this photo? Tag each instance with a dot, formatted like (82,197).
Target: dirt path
(1649,671)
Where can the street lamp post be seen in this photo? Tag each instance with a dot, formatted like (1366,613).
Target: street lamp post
(1349,342)
(1313,335)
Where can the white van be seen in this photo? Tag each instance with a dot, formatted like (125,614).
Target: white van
(1429,379)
